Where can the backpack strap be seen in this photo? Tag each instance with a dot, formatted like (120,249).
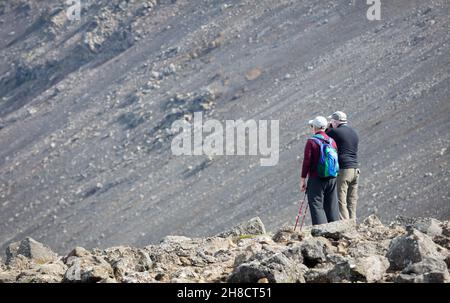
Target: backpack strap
(321,137)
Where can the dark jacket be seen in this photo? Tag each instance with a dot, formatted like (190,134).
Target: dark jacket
(347,141)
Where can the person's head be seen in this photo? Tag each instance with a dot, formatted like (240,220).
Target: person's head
(319,123)
(338,118)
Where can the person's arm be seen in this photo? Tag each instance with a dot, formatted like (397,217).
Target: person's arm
(332,134)
(306,165)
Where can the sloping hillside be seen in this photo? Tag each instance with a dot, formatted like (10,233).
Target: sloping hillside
(86,108)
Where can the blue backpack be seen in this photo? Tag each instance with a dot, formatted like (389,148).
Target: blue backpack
(328,163)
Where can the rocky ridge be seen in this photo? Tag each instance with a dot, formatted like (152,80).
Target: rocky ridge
(408,250)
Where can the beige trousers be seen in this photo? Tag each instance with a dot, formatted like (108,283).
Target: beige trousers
(347,187)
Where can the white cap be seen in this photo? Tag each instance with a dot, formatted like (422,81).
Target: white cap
(319,122)
(338,116)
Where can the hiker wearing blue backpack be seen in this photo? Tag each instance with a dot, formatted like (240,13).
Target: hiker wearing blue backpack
(347,141)
(321,167)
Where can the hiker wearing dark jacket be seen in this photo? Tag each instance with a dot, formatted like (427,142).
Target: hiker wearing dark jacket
(347,182)
(322,194)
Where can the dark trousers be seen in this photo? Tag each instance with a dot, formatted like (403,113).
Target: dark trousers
(323,200)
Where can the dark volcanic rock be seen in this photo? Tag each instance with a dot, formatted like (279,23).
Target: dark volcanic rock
(411,248)
(315,251)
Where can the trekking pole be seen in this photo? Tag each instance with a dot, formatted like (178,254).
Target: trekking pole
(304,215)
(302,202)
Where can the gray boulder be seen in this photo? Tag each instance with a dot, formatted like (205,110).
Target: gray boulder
(89,269)
(252,227)
(429,226)
(32,250)
(73,273)
(336,258)
(358,249)
(284,267)
(428,264)
(405,278)
(45,273)
(335,230)
(431,277)
(56,269)
(318,275)
(411,248)
(433,270)
(342,272)
(36,251)
(372,221)
(126,261)
(287,234)
(436,277)
(79,252)
(315,251)
(32,262)
(250,253)
(372,268)
(9,276)
(368,269)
